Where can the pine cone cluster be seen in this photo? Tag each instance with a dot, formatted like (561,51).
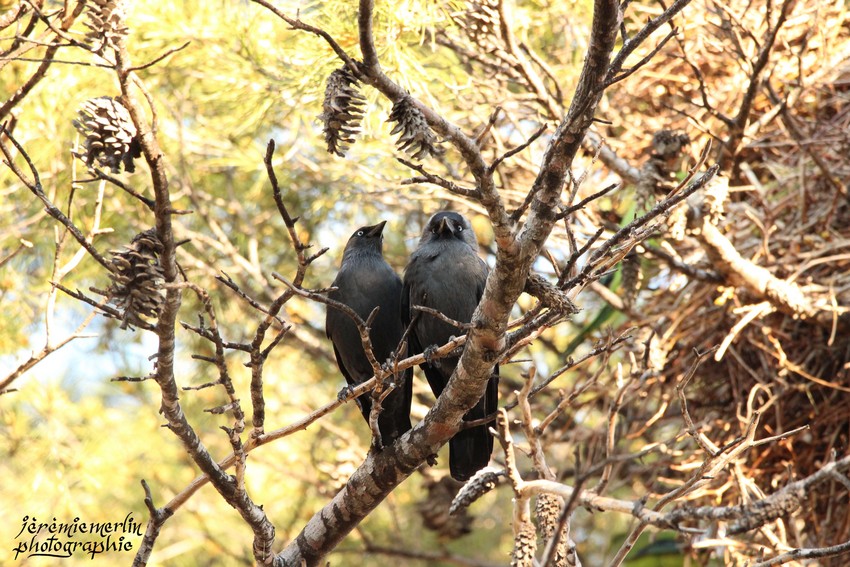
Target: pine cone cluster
(137,279)
(342,110)
(416,137)
(106,20)
(109,132)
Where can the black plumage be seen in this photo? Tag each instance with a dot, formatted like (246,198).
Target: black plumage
(446,274)
(366,281)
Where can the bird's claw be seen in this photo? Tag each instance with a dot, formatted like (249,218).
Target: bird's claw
(431,460)
(343,394)
(429,353)
(377,445)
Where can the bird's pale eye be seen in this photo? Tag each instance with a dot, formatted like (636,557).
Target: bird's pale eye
(360,233)
(460,229)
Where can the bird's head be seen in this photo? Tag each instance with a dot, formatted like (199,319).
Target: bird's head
(367,239)
(449,225)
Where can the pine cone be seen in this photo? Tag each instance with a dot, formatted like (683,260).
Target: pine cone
(137,279)
(632,278)
(549,295)
(548,511)
(437,509)
(480,22)
(416,137)
(110,135)
(106,20)
(525,544)
(342,110)
(668,143)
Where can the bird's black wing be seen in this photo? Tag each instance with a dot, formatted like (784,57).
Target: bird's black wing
(414,347)
(470,448)
(482,282)
(405,304)
(491,394)
(491,402)
(437,378)
(363,401)
(394,420)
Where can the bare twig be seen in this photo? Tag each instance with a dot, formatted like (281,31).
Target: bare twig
(436,180)
(439,315)
(643,61)
(513,151)
(803,554)
(36,189)
(362,326)
(48,349)
(159,58)
(158,516)
(680,390)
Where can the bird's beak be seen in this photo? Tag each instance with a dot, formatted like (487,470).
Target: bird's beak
(377,229)
(444,226)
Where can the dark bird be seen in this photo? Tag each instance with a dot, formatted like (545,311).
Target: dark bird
(366,281)
(446,274)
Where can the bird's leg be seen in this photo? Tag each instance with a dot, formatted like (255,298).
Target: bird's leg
(457,350)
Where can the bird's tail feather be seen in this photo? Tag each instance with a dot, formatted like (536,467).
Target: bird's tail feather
(469,452)
(394,420)
(470,449)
